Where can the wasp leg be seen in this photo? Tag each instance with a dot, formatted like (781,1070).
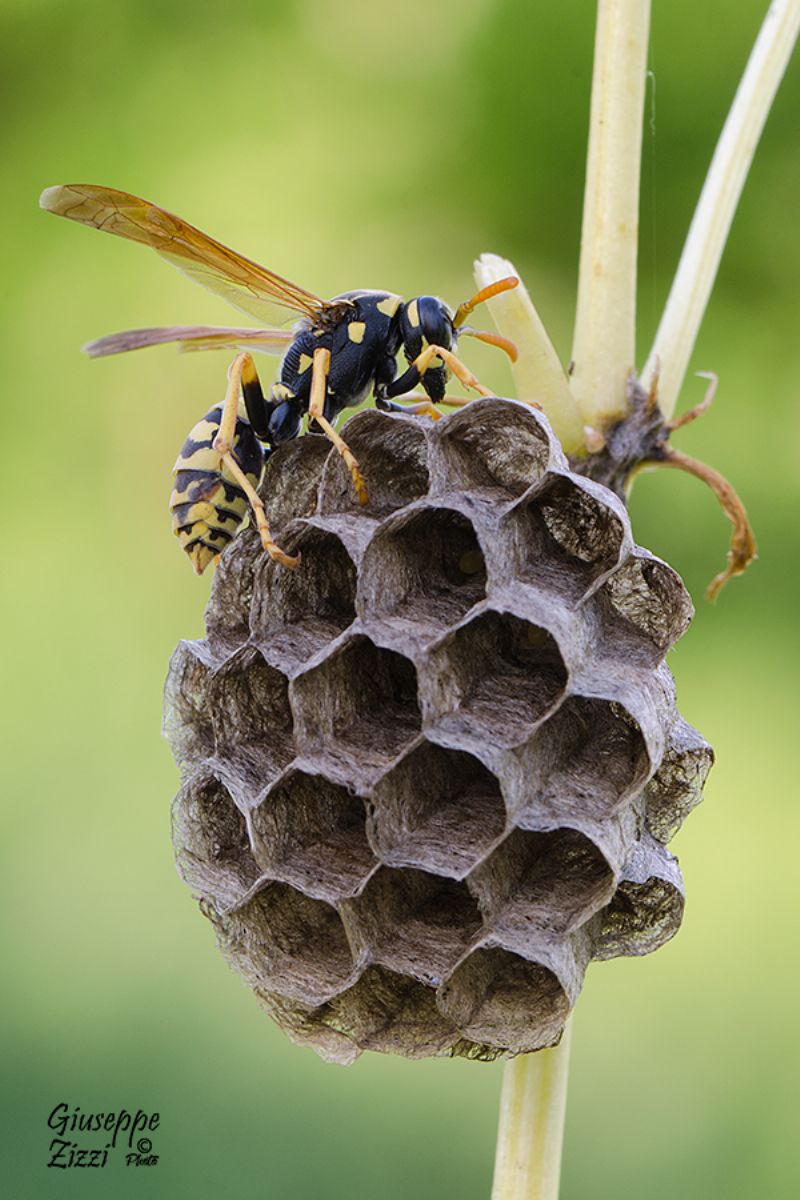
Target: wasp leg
(243,373)
(420,365)
(421,405)
(316,406)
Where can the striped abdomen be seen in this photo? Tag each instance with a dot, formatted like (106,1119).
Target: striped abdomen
(207,504)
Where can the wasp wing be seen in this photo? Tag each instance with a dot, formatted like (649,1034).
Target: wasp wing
(192,337)
(237,279)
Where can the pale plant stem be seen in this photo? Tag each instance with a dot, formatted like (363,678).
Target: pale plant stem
(538,374)
(708,232)
(532,1107)
(604,351)
(533,1101)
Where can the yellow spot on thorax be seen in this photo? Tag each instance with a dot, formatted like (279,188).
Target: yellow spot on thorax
(389,306)
(356,331)
(412,312)
(305,362)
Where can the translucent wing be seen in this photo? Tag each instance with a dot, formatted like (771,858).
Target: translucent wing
(240,281)
(192,337)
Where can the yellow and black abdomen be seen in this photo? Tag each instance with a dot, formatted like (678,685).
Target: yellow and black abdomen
(207,504)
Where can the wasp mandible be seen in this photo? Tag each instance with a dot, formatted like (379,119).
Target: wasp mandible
(337,352)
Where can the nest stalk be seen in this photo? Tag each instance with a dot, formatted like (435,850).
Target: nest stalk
(598,403)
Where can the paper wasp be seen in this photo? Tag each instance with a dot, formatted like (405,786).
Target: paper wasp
(338,351)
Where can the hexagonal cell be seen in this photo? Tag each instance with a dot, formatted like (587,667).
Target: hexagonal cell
(647,908)
(437,809)
(285,942)
(585,760)
(186,721)
(413,923)
(392,454)
(292,479)
(297,613)
(311,833)
(495,447)
(304,1025)
(505,1000)
(212,849)
(227,615)
(426,566)
(499,675)
(542,882)
(677,786)
(645,602)
(391,1014)
(358,705)
(248,702)
(568,535)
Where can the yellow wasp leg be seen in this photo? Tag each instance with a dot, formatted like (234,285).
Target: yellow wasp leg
(461,372)
(457,367)
(243,370)
(420,405)
(316,405)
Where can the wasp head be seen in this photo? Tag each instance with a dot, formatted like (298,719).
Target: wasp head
(427,321)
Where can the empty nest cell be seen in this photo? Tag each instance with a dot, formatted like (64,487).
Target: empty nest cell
(584,761)
(647,907)
(248,703)
(414,923)
(283,941)
(645,599)
(312,833)
(211,844)
(499,998)
(640,918)
(359,704)
(567,538)
(677,786)
(437,809)
(227,616)
(495,447)
(297,613)
(186,721)
(392,455)
(499,675)
(391,1014)
(541,882)
(426,566)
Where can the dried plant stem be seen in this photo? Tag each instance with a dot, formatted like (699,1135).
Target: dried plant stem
(742,549)
(705,242)
(532,1108)
(603,349)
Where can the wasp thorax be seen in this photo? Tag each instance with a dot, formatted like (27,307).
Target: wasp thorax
(430,775)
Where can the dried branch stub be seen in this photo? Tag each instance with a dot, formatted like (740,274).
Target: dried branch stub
(430,775)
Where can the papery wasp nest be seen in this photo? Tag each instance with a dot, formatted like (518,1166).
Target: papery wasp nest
(431,774)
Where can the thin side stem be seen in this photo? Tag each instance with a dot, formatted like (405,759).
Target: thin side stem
(533,1104)
(538,374)
(742,548)
(604,351)
(674,342)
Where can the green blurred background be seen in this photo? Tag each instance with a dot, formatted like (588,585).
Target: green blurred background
(381,145)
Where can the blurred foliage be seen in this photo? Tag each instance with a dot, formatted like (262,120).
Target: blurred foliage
(366,144)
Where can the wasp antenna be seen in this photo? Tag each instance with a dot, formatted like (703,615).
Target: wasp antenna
(494,289)
(491,339)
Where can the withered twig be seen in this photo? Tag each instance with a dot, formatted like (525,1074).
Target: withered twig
(698,409)
(742,549)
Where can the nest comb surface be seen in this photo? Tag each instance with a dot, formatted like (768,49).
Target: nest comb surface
(430,774)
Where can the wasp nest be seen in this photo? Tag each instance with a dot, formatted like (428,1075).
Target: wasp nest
(430,775)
